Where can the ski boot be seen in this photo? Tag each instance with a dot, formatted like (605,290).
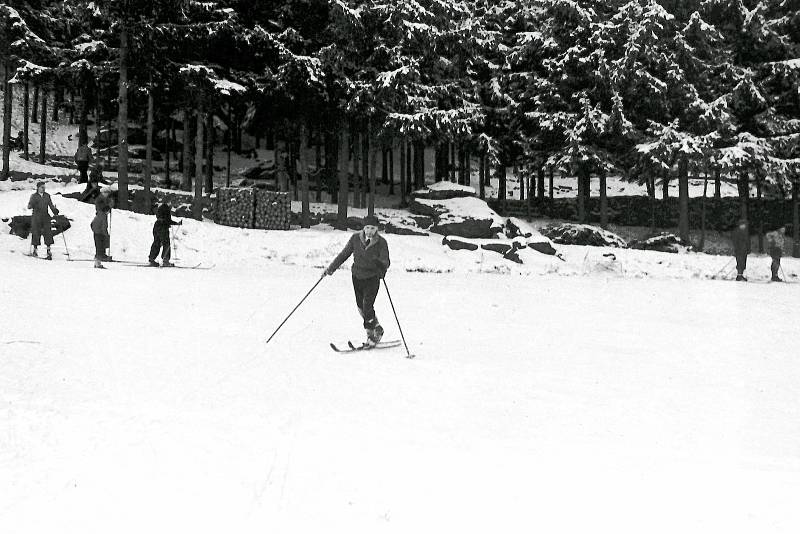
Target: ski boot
(740,278)
(49,254)
(35,253)
(166,263)
(98,265)
(152,263)
(776,278)
(374,335)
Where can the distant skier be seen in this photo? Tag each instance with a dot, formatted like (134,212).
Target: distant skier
(83,158)
(100,229)
(370,262)
(741,248)
(775,241)
(39,202)
(161,236)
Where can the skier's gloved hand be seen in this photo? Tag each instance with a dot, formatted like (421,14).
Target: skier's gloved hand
(180,223)
(55,211)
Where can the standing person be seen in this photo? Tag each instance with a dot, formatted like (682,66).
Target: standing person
(100,230)
(370,262)
(83,157)
(161,236)
(39,202)
(741,248)
(775,241)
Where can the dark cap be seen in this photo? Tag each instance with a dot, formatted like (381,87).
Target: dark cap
(40,184)
(370,220)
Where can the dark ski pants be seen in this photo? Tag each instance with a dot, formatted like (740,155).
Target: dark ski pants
(41,227)
(160,241)
(776,254)
(366,290)
(100,246)
(741,263)
(83,168)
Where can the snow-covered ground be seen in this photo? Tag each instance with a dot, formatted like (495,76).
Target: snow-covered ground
(591,395)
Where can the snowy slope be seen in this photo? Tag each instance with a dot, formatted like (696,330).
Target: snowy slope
(571,396)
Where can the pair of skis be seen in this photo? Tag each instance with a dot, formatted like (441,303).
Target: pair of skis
(146,264)
(352,347)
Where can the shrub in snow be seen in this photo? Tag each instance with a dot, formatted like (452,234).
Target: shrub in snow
(443,191)
(664,242)
(582,234)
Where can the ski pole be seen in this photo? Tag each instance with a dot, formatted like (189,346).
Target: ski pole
(173,243)
(295,308)
(65,246)
(723,269)
(408,353)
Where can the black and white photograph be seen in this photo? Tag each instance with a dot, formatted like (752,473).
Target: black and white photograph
(400,266)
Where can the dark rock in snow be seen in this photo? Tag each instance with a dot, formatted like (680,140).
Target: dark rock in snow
(664,242)
(457,244)
(582,234)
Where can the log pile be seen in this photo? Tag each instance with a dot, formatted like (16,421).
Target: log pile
(235,207)
(273,210)
(253,208)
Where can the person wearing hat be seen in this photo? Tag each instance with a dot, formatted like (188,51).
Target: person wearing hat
(775,242)
(39,202)
(370,262)
(99,227)
(741,248)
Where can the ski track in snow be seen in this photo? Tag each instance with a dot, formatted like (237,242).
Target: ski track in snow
(633,395)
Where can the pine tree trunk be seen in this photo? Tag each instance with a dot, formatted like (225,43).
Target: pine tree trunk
(760,212)
(318,167)
(482,177)
(305,213)
(665,192)
(717,185)
(403,189)
(701,245)
(122,121)
(603,200)
(210,142)
(186,179)
(581,195)
(357,167)
(550,183)
(373,161)
(501,185)
(148,162)
(43,127)
(167,155)
(72,108)
(451,163)
(391,167)
(744,194)
(651,192)
(197,205)
(7,99)
(795,218)
(83,117)
(35,106)
(366,149)
(343,193)
(25,120)
(683,199)
(540,182)
(419,164)
(468,165)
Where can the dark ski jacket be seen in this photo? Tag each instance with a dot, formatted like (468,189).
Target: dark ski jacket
(100,223)
(39,204)
(370,260)
(163,220)
(741,242)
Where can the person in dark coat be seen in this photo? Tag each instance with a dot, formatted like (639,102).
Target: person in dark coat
(83,158)
(161,236)
(775,242)
(40,202)
(100,230)
(741,248)
(370,262)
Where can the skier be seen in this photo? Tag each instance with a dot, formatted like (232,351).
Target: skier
(100,229)
(775,241)
(39,202)
(83,157)
(161,236)
(741,248)
(370,262)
